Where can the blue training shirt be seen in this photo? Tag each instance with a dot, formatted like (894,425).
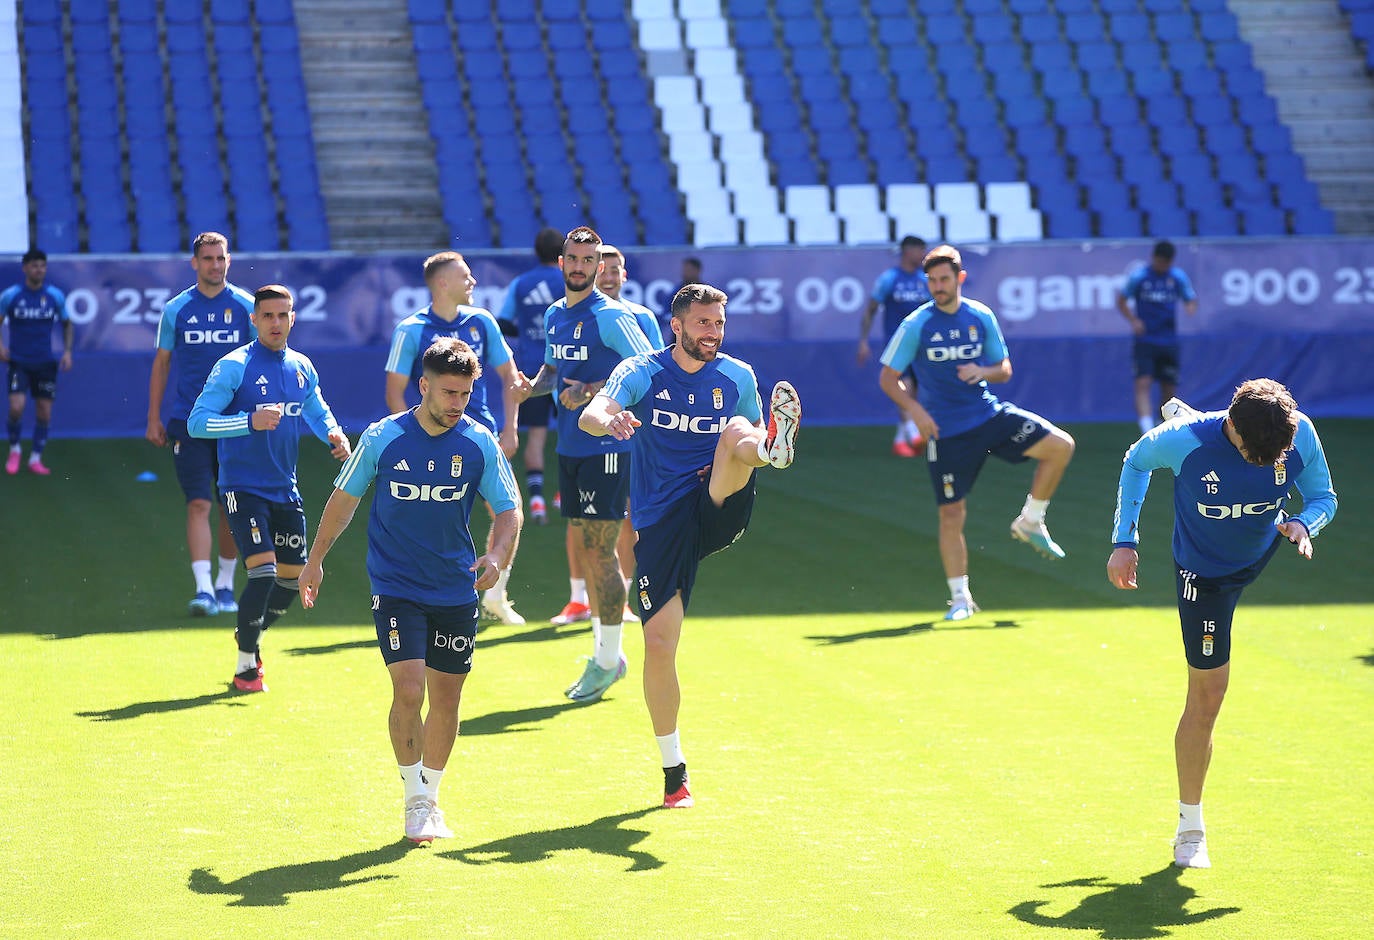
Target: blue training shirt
(246,380)
(1225,508)
(527,299)
(585,342)
(474,326)
(648,322)
(418,544)
(1156,299)
(682,415)
(32,314)
(934,344)
(899,292)
(199,331)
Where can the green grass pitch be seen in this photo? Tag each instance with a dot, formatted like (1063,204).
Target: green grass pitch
(862,769)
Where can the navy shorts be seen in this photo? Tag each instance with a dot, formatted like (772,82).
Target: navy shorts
(955,462)
(38,379)
(1206,607)
(196,460)
(596,488)
(442,636)
(261,525)
(1159,362)
(536,412)
(668,552)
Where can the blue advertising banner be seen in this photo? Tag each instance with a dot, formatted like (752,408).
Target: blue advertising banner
(1298,310)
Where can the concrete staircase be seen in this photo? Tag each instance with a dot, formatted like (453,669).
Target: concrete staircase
(376,159)
(1315,72)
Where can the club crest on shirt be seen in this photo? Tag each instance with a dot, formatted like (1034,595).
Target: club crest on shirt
(1280,474)
(577,330)
(456,468)
(973,334)
(717,399)
(228,316)
(474,333)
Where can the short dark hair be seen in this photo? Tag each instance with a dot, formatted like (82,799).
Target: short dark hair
(582,235)
(208,238)
(945,254)
(1265,416)
(548,245)
(436,261)
(273,292)
(33,254)
(913,241)
(448,355)
(690,294)
(1163,249)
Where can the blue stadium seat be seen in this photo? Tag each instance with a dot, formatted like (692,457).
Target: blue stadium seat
(1313,219)
(1163,221)
(849,32)
(1232,55)
(1052,58)
(1128,139)
(1218,27)
(1104,82)
(992,29)
(1185,54)
(1245,82)
(41,12)
(1271,137)
(1062,84)
(1120,223)
(428,11)
(894,167)
(1040,27)
(1036,140)
(1128,27)
(1212,111)
(892,30)
(1155,192)
(1200,83)
(231,12)
(1166,110)
(89,11)
(1141,56)
(1175,26)
(187,38)
(479,36)
(1084,27)
(1097,56)
(1063,222)
(1073,111)
(1226,141)
(1215,221)
(1095,165)
(1177,138)
(1021,112)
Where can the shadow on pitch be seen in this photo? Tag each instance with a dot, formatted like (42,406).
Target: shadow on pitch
(273,887)
(1139,909)
(369,644)
(924,627)
(1367,660)
(508,721)
(602,836)
(488,637)
(139,709)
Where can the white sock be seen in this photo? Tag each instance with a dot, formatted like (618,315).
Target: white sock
(200,570)
(429,779)
(901,436)
(410,776)
(913,433)
(1034,509)
(671,748)
(608,645)
(246,662)
(578,591)
(1146,425)
(1190,817)
(227,567)
(596,634)
(958,587)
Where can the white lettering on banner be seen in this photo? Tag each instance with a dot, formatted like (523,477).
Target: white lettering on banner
(817,295)
(289,409)
(569,351)
(82,306)
(424,492)
(757,295)
(1237,510)
(701,424)
(657,294)
(1021,298)
(139,306)
(407,300)
(310,303)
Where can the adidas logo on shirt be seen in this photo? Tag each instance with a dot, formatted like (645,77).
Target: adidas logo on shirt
(193,319)
(540,295)
(262,380)
(1211,477)
(936,338)
(664,395)
(402,465)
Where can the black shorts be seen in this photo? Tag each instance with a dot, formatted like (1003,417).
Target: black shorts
(955,462)
(1155,361)
(444,637)
(668,552)
(596,488)
(38,379)
(1206,607)
(196,460)
(536,412)
(261,525)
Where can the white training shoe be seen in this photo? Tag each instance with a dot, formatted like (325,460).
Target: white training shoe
(1190,850)
(1036,536)
(1174,408)
(420,819)
(441,829)
(784,417)
(962,608)
(501,611)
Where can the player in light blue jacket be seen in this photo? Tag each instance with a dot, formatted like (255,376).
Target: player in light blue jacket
(1233,473)
(257,402)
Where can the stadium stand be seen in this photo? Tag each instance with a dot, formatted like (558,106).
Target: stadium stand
(681,121)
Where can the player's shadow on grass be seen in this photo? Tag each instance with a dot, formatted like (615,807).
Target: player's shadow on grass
(1134,911)
(506,721)
(139,709)
(924,627)
(488,636)
(273,887)
(1367,660)
(369,644)
(602,836)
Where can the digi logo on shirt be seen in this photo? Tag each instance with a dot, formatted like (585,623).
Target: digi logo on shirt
(701,424)
(569,351)
(951,353)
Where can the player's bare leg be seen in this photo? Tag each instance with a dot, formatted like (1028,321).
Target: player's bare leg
(1192,757)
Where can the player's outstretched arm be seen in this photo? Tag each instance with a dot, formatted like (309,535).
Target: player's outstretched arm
(1121,568)
(338,513)
(605,416)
